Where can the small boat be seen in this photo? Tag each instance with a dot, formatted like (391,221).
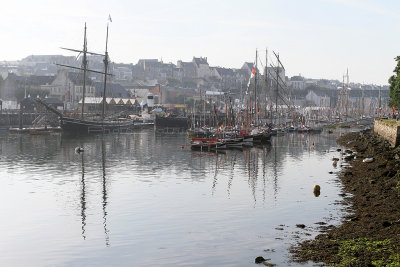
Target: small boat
(39,132)
(207,146)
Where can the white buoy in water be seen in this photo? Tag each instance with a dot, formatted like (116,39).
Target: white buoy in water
(79,149)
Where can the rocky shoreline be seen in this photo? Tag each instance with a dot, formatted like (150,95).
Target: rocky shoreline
(370,234)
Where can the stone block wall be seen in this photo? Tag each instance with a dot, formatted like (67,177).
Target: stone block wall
(389,131)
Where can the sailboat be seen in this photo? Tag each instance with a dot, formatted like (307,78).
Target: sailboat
(81,124)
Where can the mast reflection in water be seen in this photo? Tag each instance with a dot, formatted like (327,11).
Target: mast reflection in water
(159,204)
(83,198)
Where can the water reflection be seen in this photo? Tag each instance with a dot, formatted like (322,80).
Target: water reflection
(155,156)
(104,204)
(166,203)
(104,190)
(83,197)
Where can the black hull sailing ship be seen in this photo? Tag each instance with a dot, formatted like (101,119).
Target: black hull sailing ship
(173,122)
(89,125)
(75,125)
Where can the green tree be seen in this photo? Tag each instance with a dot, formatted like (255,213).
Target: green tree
(394,82)
(180,99)
(173,82)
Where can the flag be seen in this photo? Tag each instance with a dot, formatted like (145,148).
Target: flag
(109,18)
(253,73)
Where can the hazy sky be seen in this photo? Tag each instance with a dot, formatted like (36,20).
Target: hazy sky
(316,38)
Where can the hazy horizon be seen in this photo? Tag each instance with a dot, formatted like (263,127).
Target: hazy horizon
(317,38)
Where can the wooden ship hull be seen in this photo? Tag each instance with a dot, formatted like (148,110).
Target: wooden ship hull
(75,125)
(171,122)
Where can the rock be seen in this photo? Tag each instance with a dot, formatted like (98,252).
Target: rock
(269,250)
(349,158)
(317,190)
(302,226)
(335,159)
(259,260)
(338,150)
(354,219)
(368,160)
(330,172)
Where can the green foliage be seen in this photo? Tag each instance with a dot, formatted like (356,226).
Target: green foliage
(316,87)
(394,82)
(189,102)
(390,122)
(173,82)
(353,252)
(180,99)
(189,84)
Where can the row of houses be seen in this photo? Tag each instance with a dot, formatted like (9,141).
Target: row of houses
(196,73)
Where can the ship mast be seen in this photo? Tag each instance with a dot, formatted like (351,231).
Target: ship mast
(105,77)
(266,84)
(347,93)
(84,67)
(277,87)
(255,93)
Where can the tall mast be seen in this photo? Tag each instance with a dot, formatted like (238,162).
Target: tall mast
(277,87)
(347,92)
(84,67)
(255,93)
(266,80)
(105,77)
(380,99)
(362,103)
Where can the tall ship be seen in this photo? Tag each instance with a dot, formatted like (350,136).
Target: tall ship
(86,123)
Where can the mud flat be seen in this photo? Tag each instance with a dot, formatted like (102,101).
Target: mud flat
(370,234)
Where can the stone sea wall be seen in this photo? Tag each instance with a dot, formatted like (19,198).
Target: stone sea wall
(12,119)
(388,129)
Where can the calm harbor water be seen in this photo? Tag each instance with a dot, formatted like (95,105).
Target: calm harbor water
(139,199)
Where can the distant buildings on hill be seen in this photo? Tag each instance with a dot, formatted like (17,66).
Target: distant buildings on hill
(176,81)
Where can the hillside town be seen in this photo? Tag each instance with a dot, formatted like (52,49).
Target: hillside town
(171,84)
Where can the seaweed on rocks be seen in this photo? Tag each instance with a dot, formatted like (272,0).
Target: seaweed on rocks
(370,235)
